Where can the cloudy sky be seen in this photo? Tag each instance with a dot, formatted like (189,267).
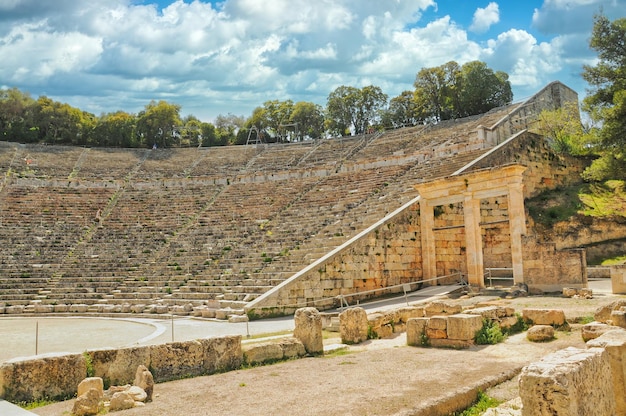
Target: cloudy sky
(230,56)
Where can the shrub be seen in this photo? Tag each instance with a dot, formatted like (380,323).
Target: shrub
(490,333)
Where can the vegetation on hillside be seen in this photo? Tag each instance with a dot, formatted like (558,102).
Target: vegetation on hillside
(607,102)
(603,192)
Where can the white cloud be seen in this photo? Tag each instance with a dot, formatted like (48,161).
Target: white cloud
(574,16)
(105,55)
(527,62)
(34,51)
(484,18)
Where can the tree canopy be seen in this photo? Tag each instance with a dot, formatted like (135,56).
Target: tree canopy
(441,93)
(451,91)
(606,102)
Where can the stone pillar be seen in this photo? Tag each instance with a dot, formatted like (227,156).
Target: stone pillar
(474,241)
(517,226)
(614,342)
(308,330)
(353,325)
(568,382)
(618,279)
(427,223)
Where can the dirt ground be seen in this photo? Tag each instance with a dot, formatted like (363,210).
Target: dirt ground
(378,377)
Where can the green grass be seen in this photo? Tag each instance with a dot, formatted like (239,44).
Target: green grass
(557,205)
(614,261)
(601,200)
(35,404)
(481,405)
(607,199)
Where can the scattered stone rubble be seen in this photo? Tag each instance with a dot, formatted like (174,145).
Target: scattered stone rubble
(92,398)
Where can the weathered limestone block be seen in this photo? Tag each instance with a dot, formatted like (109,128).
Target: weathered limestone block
(308,329)
(61,308)
(138,308)
(223,313)
(568,382)
(441,308)
(593,330)
(121,401)
(126,308)
(569,292)
(144,380)
(464,326)
(89,403)
(266,352)
(603,313)
(234,318)
(416,331)
(487,312)
(292,348)
(14,309)
(614,342)
(221,353)
(79,308)
(437,327)
(91,383)
(44,308)
(376,320)
(407,312)
(137,393)
(507,322)
(540,333)
(585,293)
(117,366)
(161,309)
(618,318)
(208,313)
(176,359)
(42,377)
(353,325)
(554,317)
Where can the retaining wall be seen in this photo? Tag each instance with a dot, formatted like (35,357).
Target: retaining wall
(58,376)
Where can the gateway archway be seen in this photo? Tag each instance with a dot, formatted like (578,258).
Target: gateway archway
(469,189)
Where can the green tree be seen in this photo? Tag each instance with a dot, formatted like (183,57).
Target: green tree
(350,107)
(191,131)
(227,128)
(563,127)
(607,101)
(17,112)
(60,123)
(116,130)
(209,136)
(158,123)
(430,91)
(403,111)
(308,119)
(340,108)
(450,91)
(482,89)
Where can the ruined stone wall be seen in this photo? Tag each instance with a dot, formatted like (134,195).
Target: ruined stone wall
(545,169)
(450,242)
(57,376)
(496,233)
(388,255)
(552,96)
(550,270)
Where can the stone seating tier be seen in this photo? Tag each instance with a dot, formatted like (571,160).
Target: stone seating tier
(138,224)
